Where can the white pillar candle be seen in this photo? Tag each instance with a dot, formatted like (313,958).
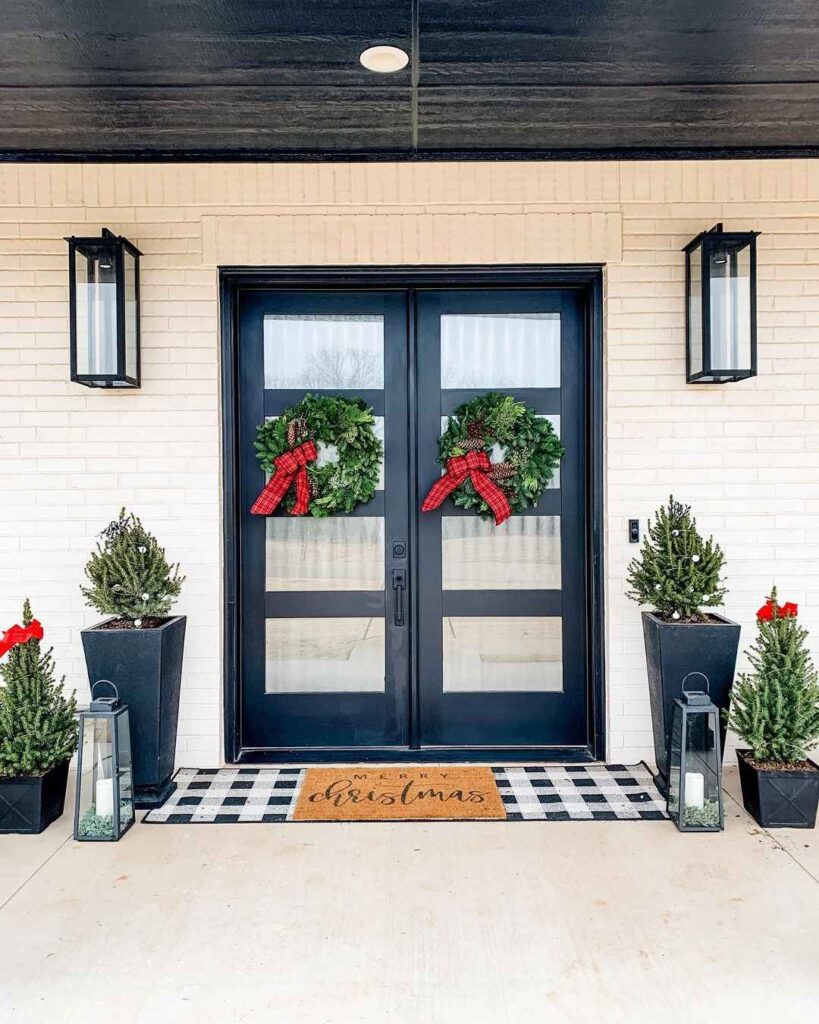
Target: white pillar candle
(694,789)
(104,803)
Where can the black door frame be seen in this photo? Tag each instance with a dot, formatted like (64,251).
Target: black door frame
(587,279)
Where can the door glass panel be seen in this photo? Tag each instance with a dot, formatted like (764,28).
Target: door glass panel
(342,351)
(521,554)
(327,655)
(337,553)
(500,350)
(503,653)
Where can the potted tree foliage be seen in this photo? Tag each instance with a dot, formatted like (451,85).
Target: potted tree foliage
(776,712)
(38,732)
(140,647)
(679,573)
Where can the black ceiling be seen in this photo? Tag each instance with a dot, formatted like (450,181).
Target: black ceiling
(137,79)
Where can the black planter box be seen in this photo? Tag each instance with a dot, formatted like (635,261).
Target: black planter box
(145,665)
(785,798)
(28,804)
(673,649)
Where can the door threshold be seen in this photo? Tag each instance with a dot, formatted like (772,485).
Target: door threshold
(424,755)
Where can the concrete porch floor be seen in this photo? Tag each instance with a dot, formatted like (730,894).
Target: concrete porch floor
(428,923)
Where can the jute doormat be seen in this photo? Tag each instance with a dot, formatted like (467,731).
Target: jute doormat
(595,792)
(455,793)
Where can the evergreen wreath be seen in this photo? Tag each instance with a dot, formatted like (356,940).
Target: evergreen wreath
(532,451)
(335,486)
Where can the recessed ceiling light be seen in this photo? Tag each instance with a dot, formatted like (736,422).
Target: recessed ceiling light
(384,59)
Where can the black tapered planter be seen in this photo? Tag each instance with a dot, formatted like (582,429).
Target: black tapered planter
(674,649)
(779,797)
(29,803)
(145,665)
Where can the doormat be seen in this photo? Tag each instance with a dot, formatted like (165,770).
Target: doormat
(414,793)
(594,792)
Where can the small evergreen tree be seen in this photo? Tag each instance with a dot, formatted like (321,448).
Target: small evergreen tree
(129,574)
(38,729)
(775,707)
(677,571)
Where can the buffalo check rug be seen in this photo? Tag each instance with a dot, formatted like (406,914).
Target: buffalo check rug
(612,792)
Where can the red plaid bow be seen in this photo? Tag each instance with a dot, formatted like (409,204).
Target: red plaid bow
(20,635)
(475,466)
(289,466)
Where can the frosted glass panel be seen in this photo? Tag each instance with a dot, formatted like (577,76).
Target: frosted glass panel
(731,310)
(338,553)
(498,454)
(521,554)
(324,351)
(96,315)
(484,654)
(500,350)
(324,655)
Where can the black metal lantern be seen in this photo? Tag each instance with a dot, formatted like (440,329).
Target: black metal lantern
(720,286)
(104,808)
(103,281)
(695,762)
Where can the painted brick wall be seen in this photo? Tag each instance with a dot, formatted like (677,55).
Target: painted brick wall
(746,455)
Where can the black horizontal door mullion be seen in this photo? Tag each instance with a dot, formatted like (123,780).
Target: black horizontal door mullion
(374,507)
(549,504)
(502,602)
(324,604)
(276,400)
(545,401)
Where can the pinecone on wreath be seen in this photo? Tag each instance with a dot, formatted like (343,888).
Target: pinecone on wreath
(502,471)
(473,444)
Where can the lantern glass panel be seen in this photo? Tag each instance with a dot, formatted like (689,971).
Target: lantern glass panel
(694,795)
(675,764)
(695,310)
(126,779)
(129,266)
(701,782)
(97,784)
(95,280)
(729,270)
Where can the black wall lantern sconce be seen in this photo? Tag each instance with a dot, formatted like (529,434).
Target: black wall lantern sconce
(720,287)
(103,282)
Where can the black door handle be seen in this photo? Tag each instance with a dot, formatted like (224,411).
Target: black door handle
(399,585)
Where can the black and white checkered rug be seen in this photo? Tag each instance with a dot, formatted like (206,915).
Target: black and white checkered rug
(611,792)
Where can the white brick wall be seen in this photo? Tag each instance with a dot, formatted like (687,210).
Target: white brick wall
(746,455)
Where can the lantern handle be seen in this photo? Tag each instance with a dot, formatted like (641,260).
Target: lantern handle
(108,681)
(703,675)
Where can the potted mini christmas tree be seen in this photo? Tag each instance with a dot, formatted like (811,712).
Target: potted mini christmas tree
(38,731)
(679,573)
(140,647)
(776,712)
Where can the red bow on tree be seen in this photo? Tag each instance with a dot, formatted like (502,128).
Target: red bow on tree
(783,611)
(20,635)
(289,466)
(474,465)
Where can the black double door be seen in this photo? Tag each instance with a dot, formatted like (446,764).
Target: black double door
(390,630)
